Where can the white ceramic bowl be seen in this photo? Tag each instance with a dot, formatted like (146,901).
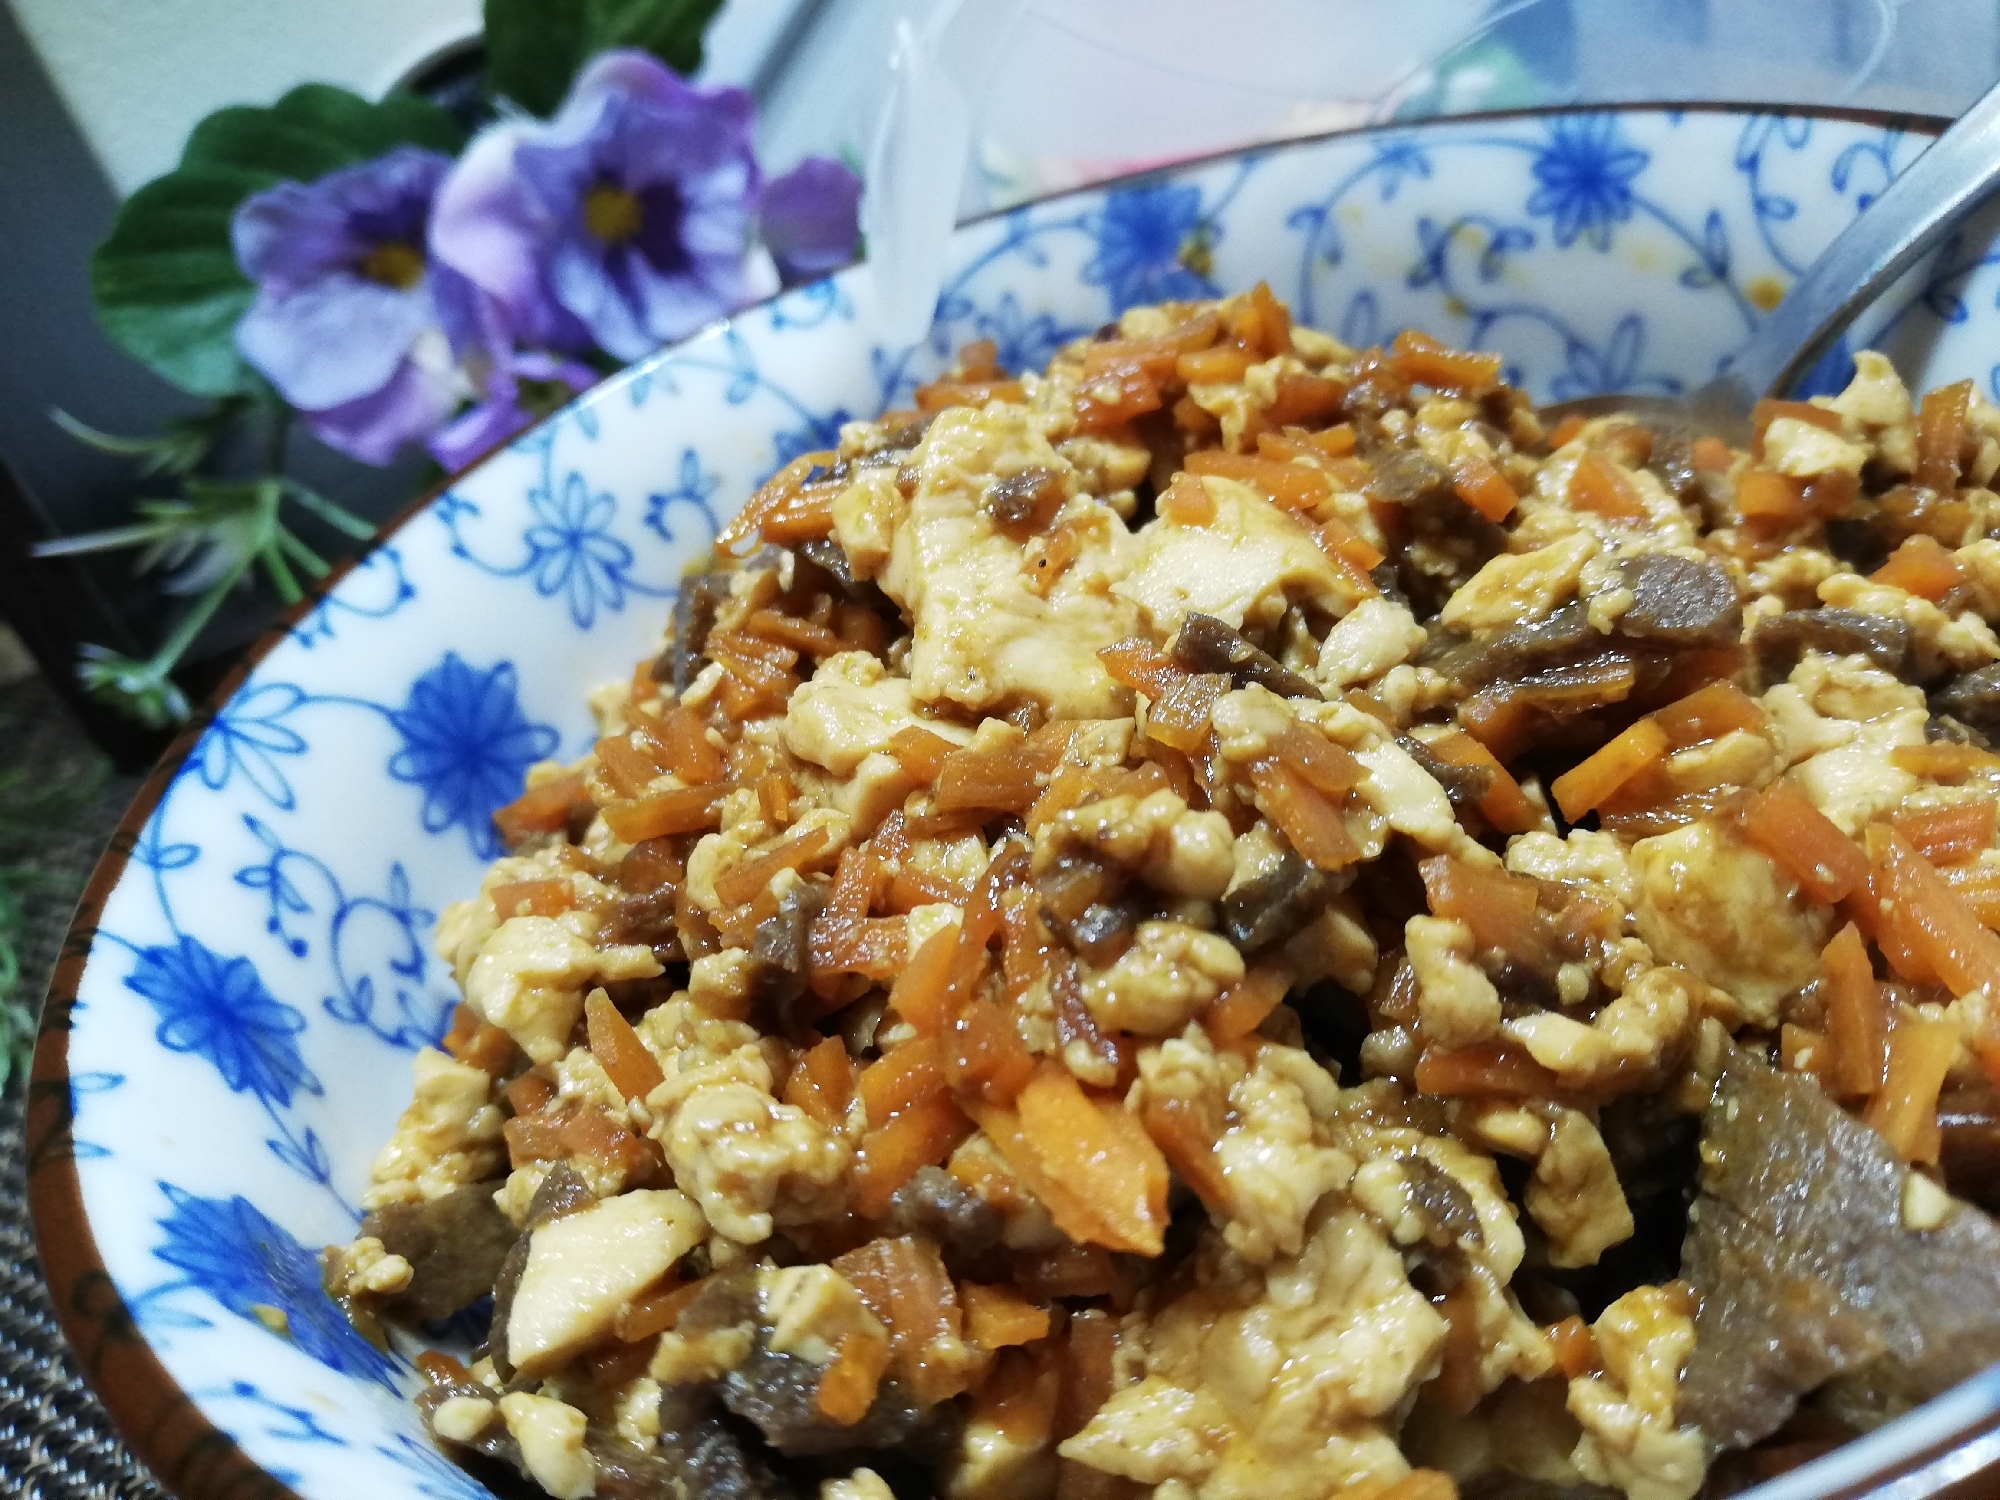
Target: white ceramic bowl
(229,1037)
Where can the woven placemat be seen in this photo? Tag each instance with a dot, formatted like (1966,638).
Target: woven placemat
(56,1443)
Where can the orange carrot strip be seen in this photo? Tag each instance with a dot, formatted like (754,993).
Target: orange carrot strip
(1802,1050)
(1501,909)
(1708,714)
(1588,783)
(1422,360)
(1782,821)
(1217,366)
(1941,424)
(618,1050)
(654,1312)
(681,810)
(1187,501)
(1071,1203)
(1943,835)
(1942,760)
(1711,455)
(1188,1143)
(1574,1347)
(1600,486)
(1483,1068)
(1905,1111)
(1921,567)
(1944,930)
(847,1388)
(542,808)
(743,882)
(1002,780)
(904,1076)
(1483,487)
(532,898)
(1564,433)
(527,1094)
(1097,1145)
(921,1135)
(997,1317)
(1180,719)
(922,989)
(1767,411)
(1857,1015)
(985,1056)
(1762,495)
(1323,765)
(1243,1007)
(1304,815)
(1134,663)
(822,1084)
(1505,805)
(1339,540)
(1289,486)
(919,752)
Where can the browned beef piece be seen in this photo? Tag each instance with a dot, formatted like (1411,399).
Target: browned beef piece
(1677,601)
(1564,637)
(694,613)
(1781,642)
(938,1206)
(781,954)
(1207,644)
(1464,785)
(1805,1271)
(1973,699)
(1969,1125)
(455,1246)
(706,1455)
(1274,906)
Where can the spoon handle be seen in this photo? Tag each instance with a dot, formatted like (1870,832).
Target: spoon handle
(1933,194)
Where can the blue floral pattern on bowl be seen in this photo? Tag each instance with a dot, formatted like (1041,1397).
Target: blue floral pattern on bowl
(238,1042)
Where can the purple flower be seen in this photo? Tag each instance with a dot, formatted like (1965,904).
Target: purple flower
(520,388)
(347,324)
(810,219)
(625,221)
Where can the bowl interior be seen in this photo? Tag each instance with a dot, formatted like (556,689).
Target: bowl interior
(231,1036)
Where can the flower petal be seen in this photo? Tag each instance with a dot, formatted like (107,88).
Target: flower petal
(374,429)
(489,228)
(809,218)
(333,341)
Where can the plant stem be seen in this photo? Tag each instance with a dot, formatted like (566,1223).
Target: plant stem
(335,516)
(190,624)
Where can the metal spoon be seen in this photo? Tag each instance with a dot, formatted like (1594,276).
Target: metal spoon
(1934,193)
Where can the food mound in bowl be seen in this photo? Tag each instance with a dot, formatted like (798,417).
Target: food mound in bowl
(1236,918)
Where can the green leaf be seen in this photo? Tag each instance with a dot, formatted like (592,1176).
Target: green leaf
(535,48)
(166,283)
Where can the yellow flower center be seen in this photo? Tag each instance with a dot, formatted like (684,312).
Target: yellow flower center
(611,214)
(394,263)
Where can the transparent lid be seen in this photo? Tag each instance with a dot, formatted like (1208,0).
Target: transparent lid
(1066,92)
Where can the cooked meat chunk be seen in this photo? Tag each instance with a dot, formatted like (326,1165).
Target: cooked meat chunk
(1806,1269)
(1464,785)
(1274,906)
(1781,642)
(706,1455)
(1677,601)
(455,1246)
(937,1205)
(1207,644)
(694,616)
(1973,699)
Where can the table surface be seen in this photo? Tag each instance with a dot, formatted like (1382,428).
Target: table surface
(56,1443)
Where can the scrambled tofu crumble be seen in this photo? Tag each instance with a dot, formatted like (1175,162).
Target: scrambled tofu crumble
(1167,925)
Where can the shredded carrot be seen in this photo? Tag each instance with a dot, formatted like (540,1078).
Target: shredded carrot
(1574,1347)
(1483,1068)
(618,1050)
(1422,360)
(681,810)
(822,1083)
(1941,760)
(1941,424)
(1001,780)
(1504,804)
(1767,411)
(542,808)
(1187,501)
(1303,814)
(1905,1111)
(985,1057)
(1762,495)
(923,988)
(1711,455)
(921,1135)
(1921,567)
(997,1317)
(1802,1050)
(1113,397)
(1321,764)
(1289,486)
(1180,719)
(940,394)
(529,1093)
(905,1075)
(1946,835)
(848,1385)
(441,1369)
(1187,1139)
(1500,909)
(1483,487)
(1072,1202)
(1857,1015)
(1708,714)
(1301,396)
(1782,821)
(1217,366)
(1243,1007)
(1588,783)
(1134,663)
(1978,886)
(1598,485)
(1097,1145)
(1564,433)
(1338,540)
(1943,928)
(532,898)
(654,1312)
